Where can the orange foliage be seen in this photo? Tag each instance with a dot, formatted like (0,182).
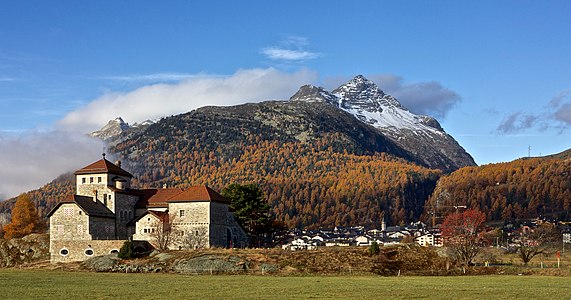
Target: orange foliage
(25,219)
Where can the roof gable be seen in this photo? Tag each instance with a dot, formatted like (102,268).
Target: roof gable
(103,166)
(159,215)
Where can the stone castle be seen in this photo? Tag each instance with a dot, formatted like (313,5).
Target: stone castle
(105,212)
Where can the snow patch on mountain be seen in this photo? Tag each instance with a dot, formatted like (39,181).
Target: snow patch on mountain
(368,103)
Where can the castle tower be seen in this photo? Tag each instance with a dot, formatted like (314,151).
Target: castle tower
(101,180)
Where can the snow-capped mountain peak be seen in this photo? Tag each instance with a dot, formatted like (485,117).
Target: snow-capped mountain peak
(367,102)
(420,135)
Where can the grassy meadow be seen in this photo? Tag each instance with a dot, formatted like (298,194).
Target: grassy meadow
(43,284)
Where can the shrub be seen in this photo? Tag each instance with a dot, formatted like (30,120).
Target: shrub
(126,251)
(374,248)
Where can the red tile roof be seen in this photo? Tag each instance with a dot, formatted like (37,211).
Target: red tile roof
(103,166)
(161,197)
(155,197)
(199,193)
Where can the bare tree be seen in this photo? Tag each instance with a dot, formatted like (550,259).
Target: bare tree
(196,238)
(537,241)
(164,234)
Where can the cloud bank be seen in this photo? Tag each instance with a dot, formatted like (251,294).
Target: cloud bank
(159,100)
(35,158)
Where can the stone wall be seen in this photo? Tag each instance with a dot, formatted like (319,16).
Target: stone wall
(102,228)
(124,212)
(68,251)
(69,222)
(144,228)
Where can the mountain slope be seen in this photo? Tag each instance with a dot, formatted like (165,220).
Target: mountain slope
(421,136)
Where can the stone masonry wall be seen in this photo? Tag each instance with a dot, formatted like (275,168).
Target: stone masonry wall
(102,228)
(146,223)
(68,251)
(69,222)
(124,212)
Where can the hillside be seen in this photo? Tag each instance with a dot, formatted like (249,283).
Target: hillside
(562,155)
(318,165)
(524,188)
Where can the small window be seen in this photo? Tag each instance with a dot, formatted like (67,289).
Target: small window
(90,179)
(80,212)
(89,252)
(181,213)
(63,252)
(114,251)
(83,180)
(145,230)
(98,179)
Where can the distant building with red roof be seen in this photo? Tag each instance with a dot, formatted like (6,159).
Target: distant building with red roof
(106,211)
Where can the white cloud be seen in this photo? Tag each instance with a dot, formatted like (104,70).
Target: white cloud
(159,100)
(291,49)
(561,107)
(426,98)
(517,122)
(286,54)
(555,115)
(32,159)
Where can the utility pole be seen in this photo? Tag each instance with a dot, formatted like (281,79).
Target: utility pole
(529,151)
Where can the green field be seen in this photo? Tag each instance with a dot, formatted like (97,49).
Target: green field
(33,284)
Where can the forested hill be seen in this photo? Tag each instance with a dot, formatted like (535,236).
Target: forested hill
(524,188)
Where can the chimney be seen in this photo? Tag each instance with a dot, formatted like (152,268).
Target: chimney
(94,195)
(118,163)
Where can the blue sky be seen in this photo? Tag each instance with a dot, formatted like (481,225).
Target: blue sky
(496,74)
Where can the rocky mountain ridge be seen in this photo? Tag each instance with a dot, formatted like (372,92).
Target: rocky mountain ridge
(421,136)
(115,130)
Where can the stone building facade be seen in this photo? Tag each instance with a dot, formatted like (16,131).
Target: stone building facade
(106,211)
